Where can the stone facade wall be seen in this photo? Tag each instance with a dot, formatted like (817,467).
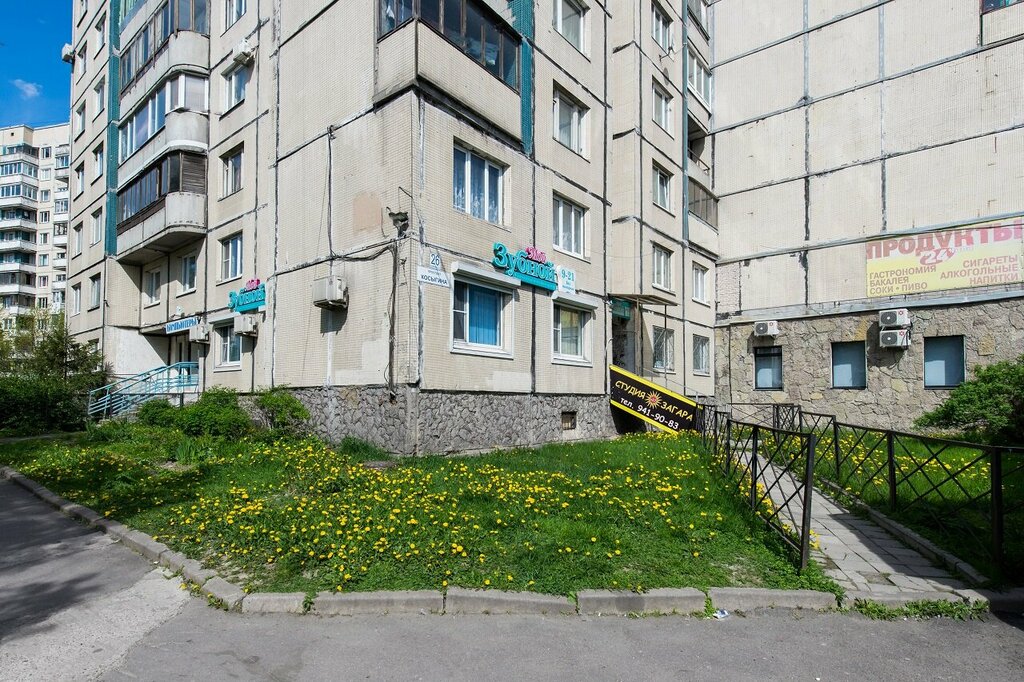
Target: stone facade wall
(447,422)
(895,392)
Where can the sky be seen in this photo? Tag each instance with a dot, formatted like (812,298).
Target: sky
(35,85)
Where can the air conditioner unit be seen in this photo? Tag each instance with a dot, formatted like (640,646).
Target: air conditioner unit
(894,338)
(67,53)
(199,334)
(330,292)
(766,328)
(244,52)
(246,325)
(899,317)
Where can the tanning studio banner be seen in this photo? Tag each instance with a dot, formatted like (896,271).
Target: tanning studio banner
(653,403)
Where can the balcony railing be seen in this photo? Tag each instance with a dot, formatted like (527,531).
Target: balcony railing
(993,5)
(700,164)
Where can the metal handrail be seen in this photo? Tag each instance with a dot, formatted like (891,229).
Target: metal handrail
(122,395)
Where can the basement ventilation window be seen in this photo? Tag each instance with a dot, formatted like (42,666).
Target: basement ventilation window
(569,421)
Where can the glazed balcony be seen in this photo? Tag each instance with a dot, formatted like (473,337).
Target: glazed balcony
(171,222)
(26,268)
(8,245)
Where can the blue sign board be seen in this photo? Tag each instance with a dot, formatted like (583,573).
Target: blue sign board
(530,266)
(175,326)
(252,296)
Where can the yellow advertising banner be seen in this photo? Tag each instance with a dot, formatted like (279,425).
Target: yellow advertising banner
(972,256)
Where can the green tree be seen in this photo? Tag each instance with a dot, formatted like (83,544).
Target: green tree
(57,355)
(989,407)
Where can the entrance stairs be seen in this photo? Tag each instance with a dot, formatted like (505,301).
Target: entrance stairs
(125,395)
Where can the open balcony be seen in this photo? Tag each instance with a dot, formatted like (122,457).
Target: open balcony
(60,239)
(26,268)
(59,286)
(8,245)
(25,289)
(60,263)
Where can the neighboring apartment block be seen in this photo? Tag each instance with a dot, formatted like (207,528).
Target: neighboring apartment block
(439,221)
(33,221)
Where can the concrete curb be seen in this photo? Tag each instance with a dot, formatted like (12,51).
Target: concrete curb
(352,603)
(1011,601)
(618,602)
(750,598)
(461,600)
(899,598)
(230,595)
(289,602)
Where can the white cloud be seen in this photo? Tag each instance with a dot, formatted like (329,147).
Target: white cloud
(28,90)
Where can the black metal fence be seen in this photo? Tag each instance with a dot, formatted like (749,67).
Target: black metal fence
(772,469)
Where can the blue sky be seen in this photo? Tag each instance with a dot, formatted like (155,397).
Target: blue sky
(35,85)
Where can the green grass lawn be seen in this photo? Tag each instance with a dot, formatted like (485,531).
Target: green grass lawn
(640,512)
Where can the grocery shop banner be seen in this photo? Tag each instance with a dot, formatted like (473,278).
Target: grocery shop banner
(972,256)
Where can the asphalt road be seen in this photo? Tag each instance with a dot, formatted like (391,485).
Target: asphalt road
(75,606)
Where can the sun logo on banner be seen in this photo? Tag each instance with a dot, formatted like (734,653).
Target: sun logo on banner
(653,399)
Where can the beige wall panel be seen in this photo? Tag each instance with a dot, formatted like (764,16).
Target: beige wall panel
(121,287)
(589,266)
(303,221)
(396,60)
(224,207)
(762,219)
(1002,24)
(845,129)
(761,84)
(623,257)
(555,377)
(771,282)
(587,66)
(623,89)
(700,383)
(971,179)
(302,330)
(337,49)
(741,157)
(703,234)
(819,11)
(217,290)
(952,28)
(673,379)
(586,168)
(295,13)
(700,312)
(623,183)
(955,100)
(846,203)
(734,19)
(129,352)
(843,55)
(836,273)
(668,221)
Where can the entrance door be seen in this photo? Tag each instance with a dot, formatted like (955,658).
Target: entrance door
(623,344)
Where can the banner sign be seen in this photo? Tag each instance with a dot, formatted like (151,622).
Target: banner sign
(252,296)
(973,256)
(176,326)
(530,265)
(653,403)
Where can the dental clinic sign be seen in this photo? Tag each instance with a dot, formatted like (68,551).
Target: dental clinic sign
(531,265)
(252,296)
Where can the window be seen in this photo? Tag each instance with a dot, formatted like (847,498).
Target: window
(43,260)
(768,368)
(703,204)
(476,185)
(700,283)
(99,97)
(42,281)
(662,266)
(94,292)
(60,205)
(79,123)
(80,60)
(76,240)
(568,226)
(97,161)
(169,18)
(236,81)
(664,350)
(570,326)
(990,5)
(568,20)
(701,354)
(662,189)
(187,276)
(569,117)
(229,351)
(232,163)
(45,173)
(181,91)
(80,179)
(233,11)
(698,76)
(76,299)
(849,368)
(44,195)
(477,313)
(44,216)
(699,10)
(96,226)
(943,361)
(231,257)
(663,108)
(152,286)
(45,152)
(176,172)
(101,33)
(662,27)
(470,25)
(44,237)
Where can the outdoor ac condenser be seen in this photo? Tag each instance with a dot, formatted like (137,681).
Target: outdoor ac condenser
(199,334)
(330,292)
(766,328)
(899,317)
(246,325)
(894,338)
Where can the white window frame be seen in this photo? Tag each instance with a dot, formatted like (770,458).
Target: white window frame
(152,286)
(668,346)
(76,240)
(661,188)
(228,344)
(230,79)
(700,283)
(557,20)
(96,222)
(577,141)
(505,317)
(95,295)
(183,287)
(585,317)
(80,179)
(76,299)
(98,161)
(701,355)
(661,267)
(233,11)
(100,28)
(490,167)
(99,95)
(698,77)
(663,109)
(662,27)
(233,173)
(231,257)
(81,60)
(561,205)
(80,119)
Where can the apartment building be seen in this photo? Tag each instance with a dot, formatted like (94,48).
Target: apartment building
(867,159)
(33,222)
(437,221)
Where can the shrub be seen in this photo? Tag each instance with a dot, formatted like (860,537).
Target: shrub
(35,405)
(216,413)
(282,410)
(158,413)
(989,407)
